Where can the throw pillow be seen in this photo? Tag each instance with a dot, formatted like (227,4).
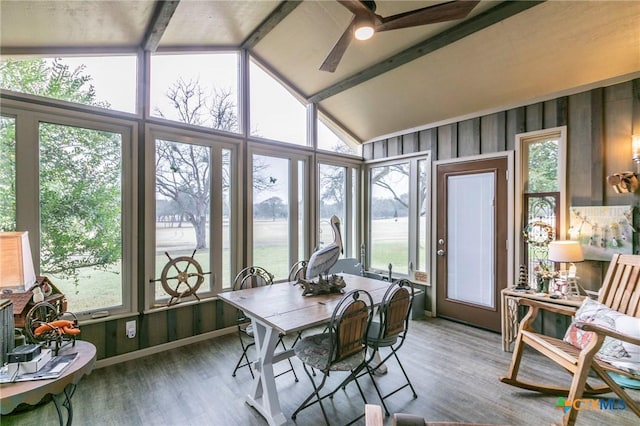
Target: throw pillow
(622,355)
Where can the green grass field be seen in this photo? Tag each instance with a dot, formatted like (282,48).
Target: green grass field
(270,251)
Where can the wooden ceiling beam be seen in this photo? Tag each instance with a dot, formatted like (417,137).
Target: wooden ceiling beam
(159,23)
(464,29)
(274,18)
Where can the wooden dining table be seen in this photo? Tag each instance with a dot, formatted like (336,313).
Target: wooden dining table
(282,309)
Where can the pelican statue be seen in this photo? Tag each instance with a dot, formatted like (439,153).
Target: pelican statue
(323,259)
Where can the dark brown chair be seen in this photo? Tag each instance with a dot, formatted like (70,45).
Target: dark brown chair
(619,297)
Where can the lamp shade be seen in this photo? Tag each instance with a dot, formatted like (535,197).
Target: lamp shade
(16,265)
(565,251)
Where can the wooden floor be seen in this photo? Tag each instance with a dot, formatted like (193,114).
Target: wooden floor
(455,370)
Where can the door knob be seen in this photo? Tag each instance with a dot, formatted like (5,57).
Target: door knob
(440,252)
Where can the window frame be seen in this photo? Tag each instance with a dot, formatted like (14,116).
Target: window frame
(240,108)
(413,210)
(522,140)
(353,205)
(28,116)
(294,156)
(217,144)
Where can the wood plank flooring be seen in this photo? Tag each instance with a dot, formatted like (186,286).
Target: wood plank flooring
(454,368)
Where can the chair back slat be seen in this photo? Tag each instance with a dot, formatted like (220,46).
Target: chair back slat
(396,312)
(351,329)
(621,286)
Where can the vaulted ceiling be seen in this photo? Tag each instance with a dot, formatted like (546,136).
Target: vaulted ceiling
(501,55)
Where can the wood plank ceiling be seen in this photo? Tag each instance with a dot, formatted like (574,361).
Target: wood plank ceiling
(502,55)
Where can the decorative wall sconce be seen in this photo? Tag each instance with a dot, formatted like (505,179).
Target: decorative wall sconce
(624,182)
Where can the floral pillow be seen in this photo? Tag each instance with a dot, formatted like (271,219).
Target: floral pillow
(622,355)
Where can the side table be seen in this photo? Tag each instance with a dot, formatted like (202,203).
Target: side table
(510,311)
(32,392)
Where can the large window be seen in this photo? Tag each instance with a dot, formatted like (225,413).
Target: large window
(389,213)
(275,113)
(69,173)
(398,215)
(76,177)
(198,89)
(338,195)
(101,81)
(542,164)
(277,197)
(330,140)
(194,212)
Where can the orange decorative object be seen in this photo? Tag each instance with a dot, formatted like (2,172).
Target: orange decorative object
(60,326)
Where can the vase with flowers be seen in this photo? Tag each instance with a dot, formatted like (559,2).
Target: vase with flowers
(544,273)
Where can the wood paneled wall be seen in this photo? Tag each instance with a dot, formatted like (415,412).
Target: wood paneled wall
(599,123)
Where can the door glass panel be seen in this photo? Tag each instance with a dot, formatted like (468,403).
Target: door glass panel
(470,233)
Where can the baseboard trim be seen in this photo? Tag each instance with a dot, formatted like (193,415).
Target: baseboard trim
(163,347)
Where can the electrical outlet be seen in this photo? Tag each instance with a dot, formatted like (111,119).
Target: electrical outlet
(131,329)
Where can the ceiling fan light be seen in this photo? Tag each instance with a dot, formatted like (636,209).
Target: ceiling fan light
(364,33)
(363,29)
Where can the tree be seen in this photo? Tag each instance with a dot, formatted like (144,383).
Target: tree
(273,208)
(183,170)
(543,166)
(332,190)
(79,172)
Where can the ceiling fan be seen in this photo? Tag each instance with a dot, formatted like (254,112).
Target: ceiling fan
(365,23)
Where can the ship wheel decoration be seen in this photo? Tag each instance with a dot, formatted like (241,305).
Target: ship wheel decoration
(181,277)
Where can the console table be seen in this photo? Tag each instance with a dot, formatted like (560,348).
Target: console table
(510,311)
(32,392)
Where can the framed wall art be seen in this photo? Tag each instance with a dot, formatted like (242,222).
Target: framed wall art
(602,230)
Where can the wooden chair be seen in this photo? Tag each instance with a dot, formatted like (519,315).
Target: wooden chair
(251,277)
(341,348)
(621,293)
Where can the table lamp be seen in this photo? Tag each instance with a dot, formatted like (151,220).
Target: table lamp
(567,252)
(16,266)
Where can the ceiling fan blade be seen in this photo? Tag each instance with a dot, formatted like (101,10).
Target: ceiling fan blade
(355,6)
(428,15)
(333,58)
